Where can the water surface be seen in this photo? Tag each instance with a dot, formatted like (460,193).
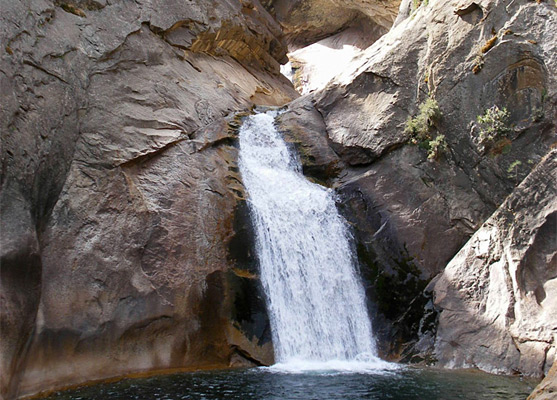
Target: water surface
(264,384)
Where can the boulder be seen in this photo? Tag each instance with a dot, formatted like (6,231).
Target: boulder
(496,297)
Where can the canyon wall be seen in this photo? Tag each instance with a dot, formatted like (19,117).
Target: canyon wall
(496,297)
(122,207)
(415,194)
(125,241)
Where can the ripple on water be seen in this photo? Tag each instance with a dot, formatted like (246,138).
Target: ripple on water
(404,383)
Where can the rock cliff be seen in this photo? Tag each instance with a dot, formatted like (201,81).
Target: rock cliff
(125,242)
(416,193)
(121,201)
(496,297)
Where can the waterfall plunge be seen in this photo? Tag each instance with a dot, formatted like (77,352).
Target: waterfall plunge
(315,300)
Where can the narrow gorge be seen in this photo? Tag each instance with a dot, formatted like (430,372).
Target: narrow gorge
(131,228)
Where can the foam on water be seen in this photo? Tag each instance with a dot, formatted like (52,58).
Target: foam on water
(315,299)
(333,367)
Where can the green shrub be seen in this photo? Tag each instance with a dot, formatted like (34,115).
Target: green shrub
(437,147)
(415,5)
(419,126)
(493,125)
(513,170)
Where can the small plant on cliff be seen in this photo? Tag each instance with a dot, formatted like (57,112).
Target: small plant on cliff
(493,126)
(437,147)
(479,59)
(478,63)
(419,126)
(73,9)
(489,44)
(415,5)
(513,170)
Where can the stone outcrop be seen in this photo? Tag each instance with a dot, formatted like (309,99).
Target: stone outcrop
(547,388)
(305,22)
(413,208)
(120,187)
(496,297)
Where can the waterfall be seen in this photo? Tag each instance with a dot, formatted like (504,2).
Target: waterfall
(315,299)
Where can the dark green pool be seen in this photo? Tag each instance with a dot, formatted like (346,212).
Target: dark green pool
(403,384)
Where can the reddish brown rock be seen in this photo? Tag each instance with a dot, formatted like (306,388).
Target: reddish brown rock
(120,187)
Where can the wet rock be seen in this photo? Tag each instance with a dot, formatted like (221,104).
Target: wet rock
(303,126)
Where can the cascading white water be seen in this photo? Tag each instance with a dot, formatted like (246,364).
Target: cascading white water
(315,299)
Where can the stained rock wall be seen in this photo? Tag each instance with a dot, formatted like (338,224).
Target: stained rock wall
(120,186)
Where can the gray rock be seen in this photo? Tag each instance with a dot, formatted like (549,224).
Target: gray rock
(411,214)
(497,295)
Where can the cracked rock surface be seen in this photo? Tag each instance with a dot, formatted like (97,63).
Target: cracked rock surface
(411,212)
(497,295)
(120,186)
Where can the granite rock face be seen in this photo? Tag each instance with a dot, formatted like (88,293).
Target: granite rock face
(306,22)
(496,297)
(413,208)
(120,190)
(547,388)
(126,244)
(365,110)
